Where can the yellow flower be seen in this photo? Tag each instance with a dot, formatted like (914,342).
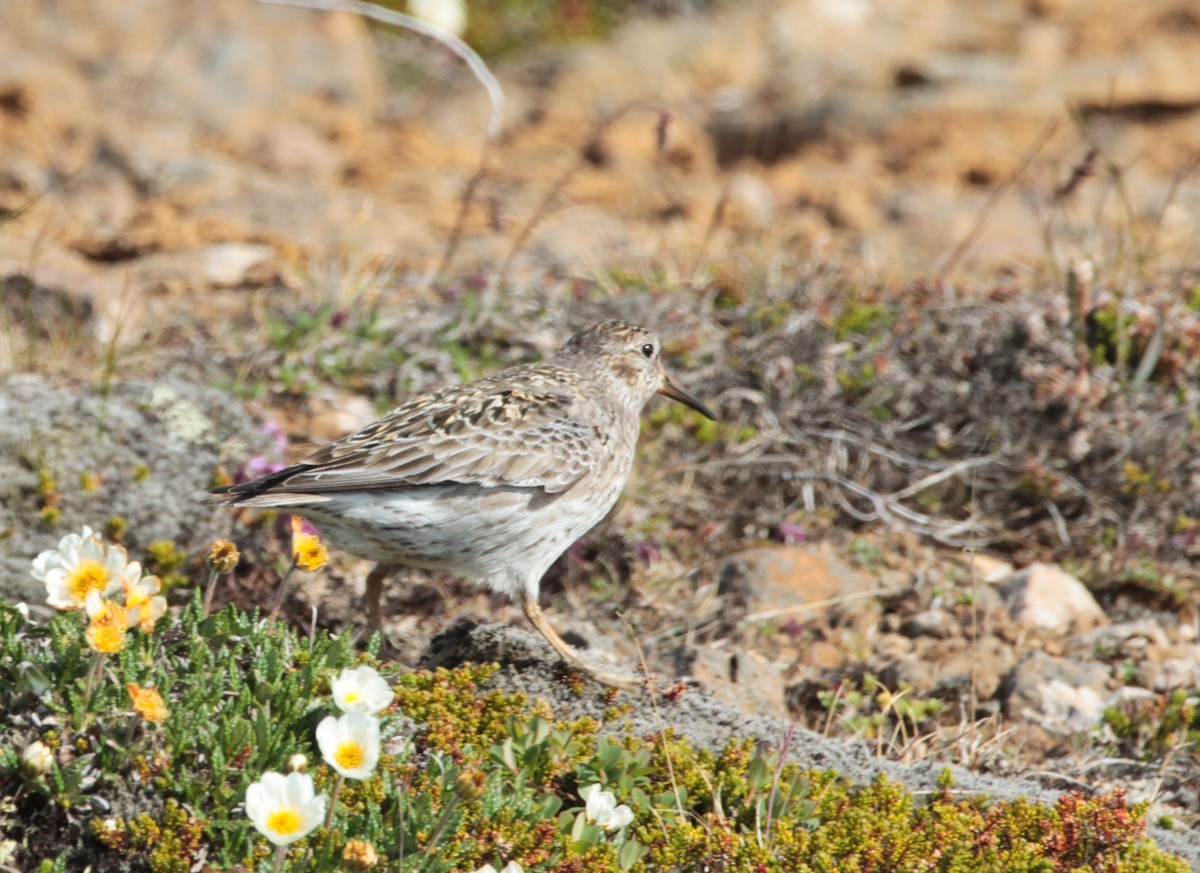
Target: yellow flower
(147,702)
(360,855)
(469,784)
(307,550)
(106,630)
(143,603)
(223,556)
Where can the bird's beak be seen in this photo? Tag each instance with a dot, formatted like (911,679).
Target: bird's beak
(671,389)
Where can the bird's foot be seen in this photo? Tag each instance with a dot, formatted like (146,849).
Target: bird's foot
(621,681)
(618,681)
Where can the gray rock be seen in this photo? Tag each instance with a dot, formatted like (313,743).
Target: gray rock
(932,623)
(1047,598)
(1062,695)
(794,580)
(742,679)
(147,450)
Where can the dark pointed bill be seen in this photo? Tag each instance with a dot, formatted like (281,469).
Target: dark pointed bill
(671,389)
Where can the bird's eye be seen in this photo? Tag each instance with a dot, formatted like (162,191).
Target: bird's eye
(648,350)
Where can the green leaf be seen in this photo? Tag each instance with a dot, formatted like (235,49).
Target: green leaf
(758,774)
(631,852)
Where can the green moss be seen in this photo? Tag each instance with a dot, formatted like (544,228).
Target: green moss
(169,843)
(706,432)
(857,384)
(1140,482)
(450,705)
(47,486)
(115,528)
(164,556)
(863,319)
(745,433)
(1109,335)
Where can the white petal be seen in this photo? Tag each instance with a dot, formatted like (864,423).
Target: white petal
(94,604)
(600,805)
(256,803)
(620,817)
(43,564)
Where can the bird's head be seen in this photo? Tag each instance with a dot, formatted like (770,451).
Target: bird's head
(633,357)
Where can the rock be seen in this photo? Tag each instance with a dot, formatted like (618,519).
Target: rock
(931,623)
(823,655)
(329,414)
(797,581)
(741,679)
(1061,695)
(228,264)
(1046,597)
(143,451)
(989,569)
(983,664)
(1167,667)
(948,668)
(1128,639)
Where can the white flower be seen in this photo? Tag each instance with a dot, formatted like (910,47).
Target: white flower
(449,15)
(361,690)
(82,563)
(284,808)
(36,759)
(350,744)
(602,809)
(510,867)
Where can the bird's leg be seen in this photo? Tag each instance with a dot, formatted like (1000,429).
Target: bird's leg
(375,594)
(605,677)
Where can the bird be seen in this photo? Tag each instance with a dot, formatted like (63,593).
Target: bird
(491,480)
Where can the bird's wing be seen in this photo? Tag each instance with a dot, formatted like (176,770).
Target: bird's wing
(484,433)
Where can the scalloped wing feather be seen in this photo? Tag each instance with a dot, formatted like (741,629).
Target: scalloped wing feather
(487,433)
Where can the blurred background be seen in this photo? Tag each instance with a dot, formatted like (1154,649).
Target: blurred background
(156,148)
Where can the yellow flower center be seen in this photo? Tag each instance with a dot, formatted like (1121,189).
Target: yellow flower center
(353,696)
(88,575)
(349,755)
(284,822)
